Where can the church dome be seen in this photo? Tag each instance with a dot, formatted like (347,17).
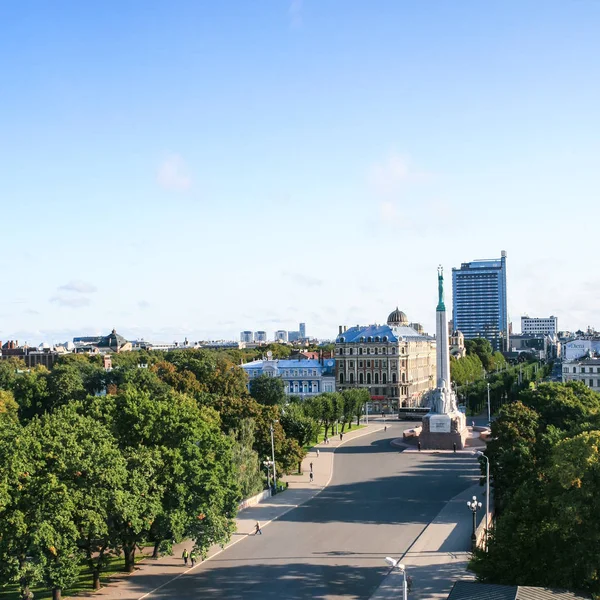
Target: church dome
(397,317)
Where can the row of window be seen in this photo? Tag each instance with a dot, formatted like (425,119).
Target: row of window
(288,373)
(375,363)
(591,370)
(369,351)
(368,379)
(301,388)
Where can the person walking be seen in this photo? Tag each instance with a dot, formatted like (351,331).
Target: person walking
(185,556)
(257,528)
(311,467)
(317,453)
(193,558)
(341,437)
(312,476)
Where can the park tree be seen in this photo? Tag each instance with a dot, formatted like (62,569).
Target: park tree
(246,459)
(30,390)
(267,390)
(481,348)
(511,451)
(565,406)
(8,405)
(299,425)
(9,368)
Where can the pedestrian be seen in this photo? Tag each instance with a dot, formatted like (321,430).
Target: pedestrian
(311,467)
(185,556)
(312,476)
(341,436)
(193,558)
(257,528)
(419,445)
(454,446)
(473,424)
(385,428)
(317,453)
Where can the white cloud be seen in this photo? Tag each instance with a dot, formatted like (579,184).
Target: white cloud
(295,13)
(143,304)
(173,174)
(78,286)
(71,301)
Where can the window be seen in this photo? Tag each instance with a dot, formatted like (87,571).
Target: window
(369,339)
(342,340)
(341,378)
(583,369)
(360,350)
(384,351)
(591,383)
(368,364)
(376,363)
(393,377)
(385,338)
(403,377)
(351,350)
(314,372)
(341,351)
(393,350)
(360,364)
(376,377)
(384,378)
(296,372)
(377,338)
(305,372)
(351,377)
(368,378)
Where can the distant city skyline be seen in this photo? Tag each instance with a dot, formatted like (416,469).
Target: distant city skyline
(221,166)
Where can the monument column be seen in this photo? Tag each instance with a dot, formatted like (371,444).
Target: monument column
(444,427)
(441,335)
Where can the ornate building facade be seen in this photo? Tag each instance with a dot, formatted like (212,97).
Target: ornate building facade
(395,362)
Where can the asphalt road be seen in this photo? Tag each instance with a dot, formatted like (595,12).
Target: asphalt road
(334,546)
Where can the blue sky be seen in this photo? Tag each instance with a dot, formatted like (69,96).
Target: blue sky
(198,168)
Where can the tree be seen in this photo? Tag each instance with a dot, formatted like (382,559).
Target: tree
(267,390)
(8,406)
(8,371)
(482,348)
(511,451)
(246,459)
(31,392)
(298,425)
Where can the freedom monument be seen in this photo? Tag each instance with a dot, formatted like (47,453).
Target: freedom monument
(444,425)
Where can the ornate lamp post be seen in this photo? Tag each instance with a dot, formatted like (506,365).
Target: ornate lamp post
(268,464)
(273,458)
(474,506)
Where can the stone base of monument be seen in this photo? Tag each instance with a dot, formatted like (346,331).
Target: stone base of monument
(441,432)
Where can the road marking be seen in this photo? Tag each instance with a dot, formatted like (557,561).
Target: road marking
(243,537)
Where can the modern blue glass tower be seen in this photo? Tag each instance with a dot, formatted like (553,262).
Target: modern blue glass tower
(479,301)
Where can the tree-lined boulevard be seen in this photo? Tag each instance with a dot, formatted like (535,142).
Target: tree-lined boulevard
(333,546)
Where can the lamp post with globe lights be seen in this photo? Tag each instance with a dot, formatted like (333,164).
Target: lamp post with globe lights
(474,506)
(268,464)
(396,564)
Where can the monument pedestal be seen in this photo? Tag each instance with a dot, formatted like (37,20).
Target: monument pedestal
(442,431)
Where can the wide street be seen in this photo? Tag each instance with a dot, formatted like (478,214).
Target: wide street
(378,502)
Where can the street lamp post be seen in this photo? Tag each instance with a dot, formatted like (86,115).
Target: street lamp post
(489,410)
(267,463)
(394,563)
(273,459)
(474,506)
(487,493)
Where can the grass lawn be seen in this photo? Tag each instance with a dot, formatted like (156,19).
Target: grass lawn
(349,427)
(115,564)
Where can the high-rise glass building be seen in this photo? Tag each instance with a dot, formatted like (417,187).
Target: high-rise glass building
(479,301)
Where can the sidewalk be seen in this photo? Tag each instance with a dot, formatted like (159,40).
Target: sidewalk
(151,575)
(439,556)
